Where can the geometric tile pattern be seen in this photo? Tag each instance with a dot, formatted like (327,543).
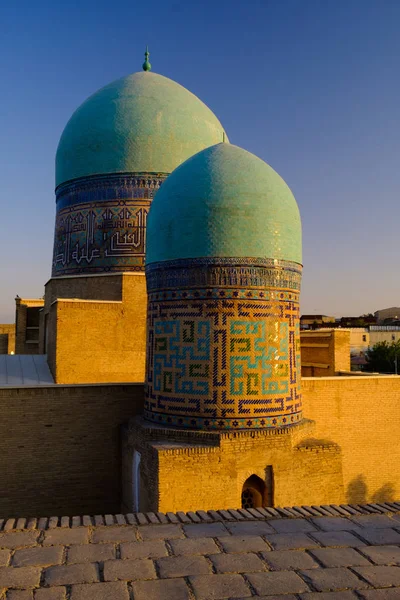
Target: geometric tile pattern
(223,358)
(101,224)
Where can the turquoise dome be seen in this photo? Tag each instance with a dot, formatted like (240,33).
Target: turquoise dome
(142,123)
(224,202)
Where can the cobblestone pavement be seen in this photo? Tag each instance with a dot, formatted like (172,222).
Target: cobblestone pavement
(320,558)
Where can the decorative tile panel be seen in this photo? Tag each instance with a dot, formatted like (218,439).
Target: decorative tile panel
(101,224)
(223,356)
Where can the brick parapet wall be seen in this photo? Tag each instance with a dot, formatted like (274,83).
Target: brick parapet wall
(359,413)
(199,516)
(60,447)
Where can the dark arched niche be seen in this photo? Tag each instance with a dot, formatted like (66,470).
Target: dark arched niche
(256,492)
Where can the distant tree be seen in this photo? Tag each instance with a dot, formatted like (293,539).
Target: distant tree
(381,358)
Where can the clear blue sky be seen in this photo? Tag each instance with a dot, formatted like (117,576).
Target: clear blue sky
(310,86)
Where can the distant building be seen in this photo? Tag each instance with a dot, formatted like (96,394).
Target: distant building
(361,321)
(324,352)
(363,338)
(313,321)
(27,321)
(387,315)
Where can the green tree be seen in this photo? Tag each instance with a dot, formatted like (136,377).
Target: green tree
(382,357)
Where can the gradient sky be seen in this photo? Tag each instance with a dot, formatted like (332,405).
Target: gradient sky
(310,86)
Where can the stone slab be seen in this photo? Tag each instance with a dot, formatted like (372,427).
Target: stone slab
(375,521)
(334,523)
(161,589)
(338,539)
(129,570)
(386,594)
(278,582)
(38,557)
(206,530)
(23,577)
(383,555)
(161,532)
(115,534)
(291,541)
(53,593)
(90,553)
(243,543)
(289,560)
(150,549)
(344,595)
(250,528)
(237,563)
(194,546)
(100,591)
(330,580)
(65,537)
(218,587)
(18,539)
(339,557)
(19,595)
(70,574)
(182,566)
(292,525)
(379,576)
(380,536)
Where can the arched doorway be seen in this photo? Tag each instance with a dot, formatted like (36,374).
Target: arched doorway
(256,492)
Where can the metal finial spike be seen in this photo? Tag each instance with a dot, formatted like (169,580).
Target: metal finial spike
(146,64)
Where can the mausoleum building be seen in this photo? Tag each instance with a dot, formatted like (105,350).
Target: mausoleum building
(223,270)
(113,155)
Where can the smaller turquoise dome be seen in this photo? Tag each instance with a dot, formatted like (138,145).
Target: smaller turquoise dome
(224,202)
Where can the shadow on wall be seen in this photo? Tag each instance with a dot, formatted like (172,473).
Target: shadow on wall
(357,492)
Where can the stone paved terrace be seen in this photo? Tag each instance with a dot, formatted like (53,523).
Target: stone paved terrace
(301,553)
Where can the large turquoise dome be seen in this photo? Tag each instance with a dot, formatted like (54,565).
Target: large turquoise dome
(140,123)
(224,202)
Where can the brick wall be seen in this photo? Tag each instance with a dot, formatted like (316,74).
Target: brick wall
(60,448)
(97,340)
(192,471)
(361,415)
(94,287)
(324,353)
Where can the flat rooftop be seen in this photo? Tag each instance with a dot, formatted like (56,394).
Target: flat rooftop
(331,552)
(18,370)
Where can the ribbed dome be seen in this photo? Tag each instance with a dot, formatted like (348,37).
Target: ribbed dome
(224,202)
(140,123)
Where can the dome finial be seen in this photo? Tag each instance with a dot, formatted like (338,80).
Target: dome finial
(146,64)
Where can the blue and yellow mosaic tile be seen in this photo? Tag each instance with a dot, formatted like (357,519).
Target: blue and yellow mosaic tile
(223,357)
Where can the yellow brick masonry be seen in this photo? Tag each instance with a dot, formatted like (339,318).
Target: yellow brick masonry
(360,414)
(191,471)
(97,333)
(350,454)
